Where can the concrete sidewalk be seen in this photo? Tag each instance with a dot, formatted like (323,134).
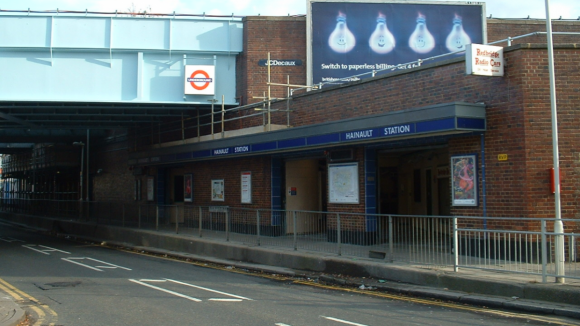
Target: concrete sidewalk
(10,313)
(512,291)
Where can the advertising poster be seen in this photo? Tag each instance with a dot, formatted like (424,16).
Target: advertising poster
(246,187)
(351,38)
(464,183)
(343,183)
(150,189)
(217,190)
(188,188)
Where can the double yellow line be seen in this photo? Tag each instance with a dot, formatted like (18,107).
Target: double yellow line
(45,315)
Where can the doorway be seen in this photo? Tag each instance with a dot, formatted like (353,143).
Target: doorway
(304,185)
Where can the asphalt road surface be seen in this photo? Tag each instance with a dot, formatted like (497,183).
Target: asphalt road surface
(63,282)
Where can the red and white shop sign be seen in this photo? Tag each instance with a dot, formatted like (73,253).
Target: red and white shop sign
(199,80)
(484,60)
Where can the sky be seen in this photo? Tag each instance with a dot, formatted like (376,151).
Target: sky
(567,9)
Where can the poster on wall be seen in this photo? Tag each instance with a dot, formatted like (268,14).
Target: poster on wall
(187,188)
(246,189)
(150,189)
(137,192)
(464,183)
(351,38)
(217,190)
(343,183)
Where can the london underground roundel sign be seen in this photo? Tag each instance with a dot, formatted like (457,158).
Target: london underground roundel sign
(199,80)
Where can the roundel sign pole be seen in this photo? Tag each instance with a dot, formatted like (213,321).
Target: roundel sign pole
(199,80)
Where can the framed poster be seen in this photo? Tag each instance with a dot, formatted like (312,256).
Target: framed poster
(150,189)
(246,187)
(343,183)
(464,180)
(217,190)
(188,188)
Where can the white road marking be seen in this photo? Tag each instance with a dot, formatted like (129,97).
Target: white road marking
(144,282)
(45,251)
(280,324)
(343,321)
(210,290)
(107,265)
(167,291)
(9,239)
(87,266)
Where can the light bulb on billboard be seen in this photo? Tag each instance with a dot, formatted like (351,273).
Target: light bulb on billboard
(457,39)
(341,40)
(421,41)
(382,40)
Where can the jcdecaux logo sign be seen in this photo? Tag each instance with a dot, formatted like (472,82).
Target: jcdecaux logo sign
(199,80)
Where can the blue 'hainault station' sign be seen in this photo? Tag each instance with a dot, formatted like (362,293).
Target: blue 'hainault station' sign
(287,140)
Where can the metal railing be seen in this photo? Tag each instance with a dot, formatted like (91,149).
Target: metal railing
(515,245)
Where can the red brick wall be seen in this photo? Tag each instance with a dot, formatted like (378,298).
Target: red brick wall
(284,38)
(230,171)
(501,29)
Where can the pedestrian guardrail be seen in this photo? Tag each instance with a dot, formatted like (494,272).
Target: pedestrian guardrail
(515,245)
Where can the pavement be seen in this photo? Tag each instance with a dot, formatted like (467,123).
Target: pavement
(501,290)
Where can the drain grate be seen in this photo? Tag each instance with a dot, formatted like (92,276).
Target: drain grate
(48,286)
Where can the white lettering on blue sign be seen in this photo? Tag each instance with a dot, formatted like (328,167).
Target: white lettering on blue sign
(359,134)
(396,130)
(221,151)
(241,149)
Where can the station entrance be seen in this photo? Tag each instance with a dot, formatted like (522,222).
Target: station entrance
(414,182)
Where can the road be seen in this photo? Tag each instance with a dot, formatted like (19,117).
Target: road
(63,282)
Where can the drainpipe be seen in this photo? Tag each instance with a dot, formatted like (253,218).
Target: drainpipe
(483,193)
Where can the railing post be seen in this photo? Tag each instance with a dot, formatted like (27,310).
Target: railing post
(200,225)
(139,216)
(294,230)
(391,255)
(338,234)
(258,225)
(227,224)
(176,220)
(157,218)
(455,246)
(544,253)
(572,249)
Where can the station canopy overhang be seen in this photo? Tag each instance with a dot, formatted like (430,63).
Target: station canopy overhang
(436,120)
(25,123)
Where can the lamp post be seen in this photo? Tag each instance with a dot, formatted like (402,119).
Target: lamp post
(78,143)
(558,225)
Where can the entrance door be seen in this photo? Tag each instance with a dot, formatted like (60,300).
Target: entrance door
(303,188)
(444,191)
(389,190)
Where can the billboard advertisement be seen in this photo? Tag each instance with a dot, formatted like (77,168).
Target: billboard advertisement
(353,38)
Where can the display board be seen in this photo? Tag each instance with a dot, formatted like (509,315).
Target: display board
(349,38)
(343,183)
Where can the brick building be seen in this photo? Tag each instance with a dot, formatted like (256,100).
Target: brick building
(296,147)
(399,175)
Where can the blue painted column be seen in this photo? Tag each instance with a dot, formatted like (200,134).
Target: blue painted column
(370,181)
(276,190)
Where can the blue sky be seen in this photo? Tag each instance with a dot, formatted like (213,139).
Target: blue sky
(568,9)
